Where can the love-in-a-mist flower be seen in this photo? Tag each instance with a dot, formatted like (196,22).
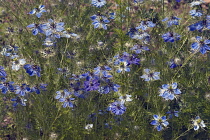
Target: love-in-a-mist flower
(196,13)
(98,3)
(2,72)
(173,63)
(100,21)
(19,100)
(169,91)
(36,28)
(102,72)
(117,108)
(144,25)
(201,44)
(89,126)
(201,25)
(32,70)
(171,37)
(17,63)
(172,113)
(53,28)
(139,35)
(110,86)
(139,48)
(196,3)
(159,122)
(122,65)
(197,123)
(150,75)
(171,21)
(125,98)
(138,1)
(22,90)
(38,11)
(7,86)
(66,97)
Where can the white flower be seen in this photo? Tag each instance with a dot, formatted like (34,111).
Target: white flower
(17,63)
(194,3)
(197,123)
(125,98)
(89,126)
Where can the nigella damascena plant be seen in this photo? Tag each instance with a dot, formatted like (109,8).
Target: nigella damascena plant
(32,70)
(139,35)
(66,98)
(123,62)
(7,86)
(2,72)
(144,25)
(100,21)
(139,48)
(117,108)
(198,123)
(159,122)
(53,28)
(169,91)
(98,3)
(150,75)
(38,11)
(171,21)
(201,45)
(200,25)
(171,37)
(173,63)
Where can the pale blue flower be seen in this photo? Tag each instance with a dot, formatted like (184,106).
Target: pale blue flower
(159,122)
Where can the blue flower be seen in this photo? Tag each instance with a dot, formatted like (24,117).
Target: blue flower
(61,94)
(112,15)
(2,72)
(38,11)
(32,70)
(173,113)
(66,98)
(171,37)
(201,45)
(136,34)
(138,1)
(145,24)
(197,123)
(122,65)
(7,87)
(19,100)
(159,122)
(102,72)
(52,28)
(92,84)
(22,90)
(9,50)
(99,21)
(78,91)
(117,108)
(196,13)
(150,75)
(38,88)
(48,42)
(139,48)
(36,28)
(169,91)
(200,25)
(98,3)
(109,87)
(173,63)
(171,21)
